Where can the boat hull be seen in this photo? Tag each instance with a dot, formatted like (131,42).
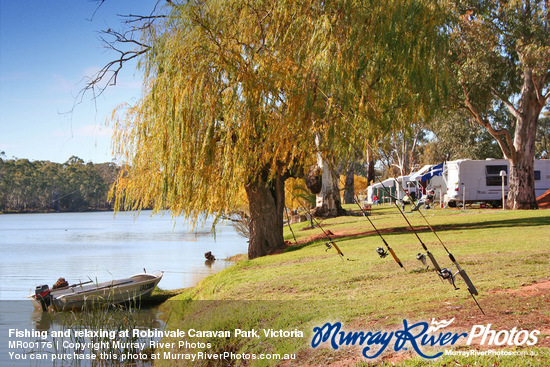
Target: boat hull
(87,296)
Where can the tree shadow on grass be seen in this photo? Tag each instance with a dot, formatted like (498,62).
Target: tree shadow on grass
(518,222)
(484,224)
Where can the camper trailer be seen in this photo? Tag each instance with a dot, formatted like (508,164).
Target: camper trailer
(385,191)
(398,189)
(392,189)
(481,181)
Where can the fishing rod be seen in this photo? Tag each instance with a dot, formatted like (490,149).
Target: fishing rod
(444,273)
(330,244)
(289,226)
(379,250)
(471,288)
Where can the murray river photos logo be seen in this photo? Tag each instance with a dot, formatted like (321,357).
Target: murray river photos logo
(418,335)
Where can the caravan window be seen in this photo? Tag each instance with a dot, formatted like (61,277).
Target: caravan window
(537,175)
(492,175)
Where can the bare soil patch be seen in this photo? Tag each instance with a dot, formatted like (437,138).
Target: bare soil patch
(525,308)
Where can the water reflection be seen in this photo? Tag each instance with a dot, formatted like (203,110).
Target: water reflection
(146,318)
(101,337)
(40,248)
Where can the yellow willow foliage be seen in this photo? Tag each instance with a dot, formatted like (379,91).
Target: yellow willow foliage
(360,184)
(297,195)
(234,92)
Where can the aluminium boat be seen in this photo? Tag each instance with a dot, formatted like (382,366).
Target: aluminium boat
(92,294)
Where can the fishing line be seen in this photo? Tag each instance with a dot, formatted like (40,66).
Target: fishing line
(48,204)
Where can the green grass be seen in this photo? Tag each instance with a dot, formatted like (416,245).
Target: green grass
(307,285)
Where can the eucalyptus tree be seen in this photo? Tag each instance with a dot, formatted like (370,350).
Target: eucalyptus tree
(543,137)
(235,93)
(501,54)
(400,151)
(456,135)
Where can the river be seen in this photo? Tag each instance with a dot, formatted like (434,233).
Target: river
(39,248)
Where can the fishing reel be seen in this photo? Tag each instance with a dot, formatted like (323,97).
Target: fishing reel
(381,252)
(448,275)
(329,246)
(422,258)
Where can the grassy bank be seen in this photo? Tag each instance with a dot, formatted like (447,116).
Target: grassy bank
(506,254)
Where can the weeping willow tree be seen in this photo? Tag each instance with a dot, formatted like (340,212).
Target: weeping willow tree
(236,91)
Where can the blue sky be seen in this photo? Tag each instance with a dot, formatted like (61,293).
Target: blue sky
(46,49)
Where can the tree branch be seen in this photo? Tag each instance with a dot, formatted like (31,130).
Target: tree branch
(502,136)
(108,74)
(518,115)
(540,97)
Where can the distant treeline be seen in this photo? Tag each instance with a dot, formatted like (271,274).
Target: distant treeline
(46,186)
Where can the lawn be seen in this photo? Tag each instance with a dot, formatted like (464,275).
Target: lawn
(505,253)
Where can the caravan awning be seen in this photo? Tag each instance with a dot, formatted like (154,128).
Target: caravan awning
(416,176)
(434,171)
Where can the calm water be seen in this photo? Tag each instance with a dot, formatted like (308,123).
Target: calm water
(40,248)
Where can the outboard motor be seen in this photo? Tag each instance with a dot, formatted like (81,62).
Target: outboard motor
(43,295)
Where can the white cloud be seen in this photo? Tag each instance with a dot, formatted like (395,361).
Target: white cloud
(94,130)
(6,146)
(91,130)
(91,71)
(61,84)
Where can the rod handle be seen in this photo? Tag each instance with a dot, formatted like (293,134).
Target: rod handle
(434,262)
(395,257)
(468,282)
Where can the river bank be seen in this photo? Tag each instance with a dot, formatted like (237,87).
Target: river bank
(284,297)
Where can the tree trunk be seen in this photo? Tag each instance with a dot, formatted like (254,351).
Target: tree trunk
(521,194)
(349,193)
(328,202)
(266,204)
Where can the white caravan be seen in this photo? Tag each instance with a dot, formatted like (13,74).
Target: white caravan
(475,180)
